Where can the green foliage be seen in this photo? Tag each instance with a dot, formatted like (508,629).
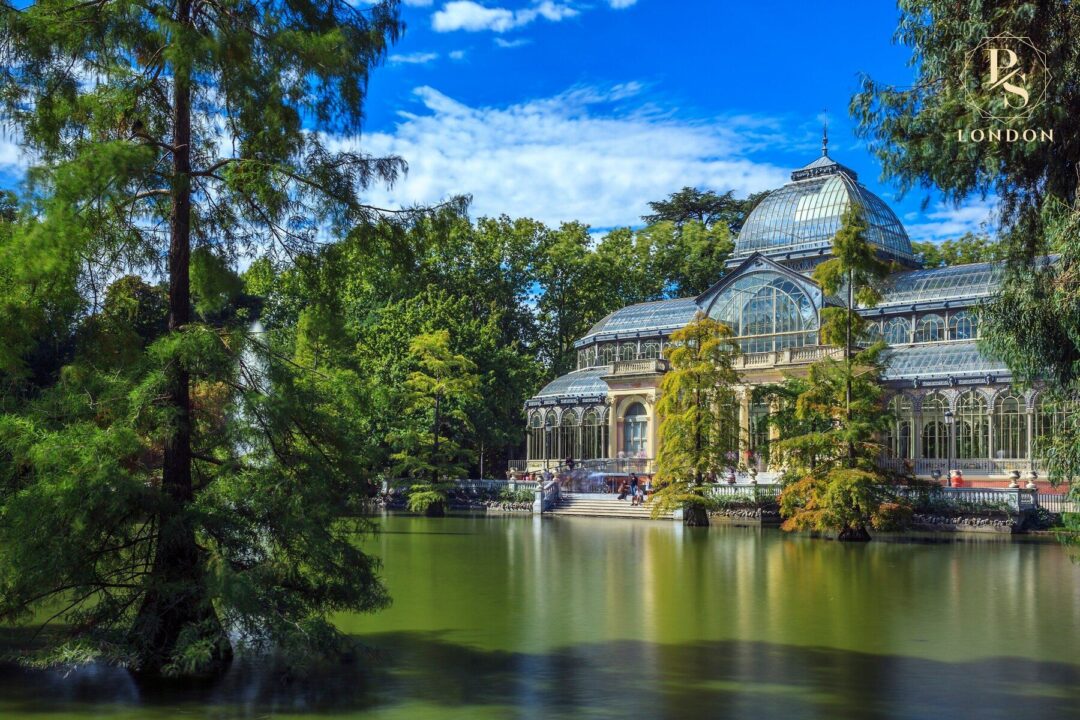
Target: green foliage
(698,414)
(171,483)
(521,496)
(968,248)
(829,446)
(912,128)
(423,497)
(704,207)
(438,393)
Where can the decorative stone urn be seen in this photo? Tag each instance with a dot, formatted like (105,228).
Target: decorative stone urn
(1014,479)
(1032,477)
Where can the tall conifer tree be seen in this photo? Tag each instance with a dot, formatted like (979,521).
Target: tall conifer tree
(156,129)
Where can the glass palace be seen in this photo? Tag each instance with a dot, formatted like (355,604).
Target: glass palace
(950,402)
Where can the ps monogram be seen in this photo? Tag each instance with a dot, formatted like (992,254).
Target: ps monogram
(1005,74)
(1005,78)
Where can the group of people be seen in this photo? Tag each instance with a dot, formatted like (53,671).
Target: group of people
(638,491)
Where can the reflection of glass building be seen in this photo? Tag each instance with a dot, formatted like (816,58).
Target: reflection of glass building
(949,401)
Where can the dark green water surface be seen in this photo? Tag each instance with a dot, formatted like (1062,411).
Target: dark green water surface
(568,618)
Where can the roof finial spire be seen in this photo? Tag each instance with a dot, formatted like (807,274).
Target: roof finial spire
(825,133)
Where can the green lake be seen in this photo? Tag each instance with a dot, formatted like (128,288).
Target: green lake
(523,617)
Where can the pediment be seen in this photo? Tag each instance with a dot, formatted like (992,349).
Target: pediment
(756,263)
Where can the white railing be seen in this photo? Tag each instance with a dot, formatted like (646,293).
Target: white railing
(1016,499)
(639,367)
(981,466)
(1058,503)
(746,490)
(787,356)
(547,497)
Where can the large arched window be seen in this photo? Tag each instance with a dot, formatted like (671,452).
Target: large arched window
(900,441)
(607,354)
(593,436)
(897,331)
(972,426)
(551,436)
(569,439)
(931,328)
(635,431)
(628,351)
(767,311)
(650,350)
(1010,427)
(935,434)
(1049,420)
(759,431)
(963,326)
(536,437)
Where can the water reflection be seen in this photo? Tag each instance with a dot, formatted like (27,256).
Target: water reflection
(524,617)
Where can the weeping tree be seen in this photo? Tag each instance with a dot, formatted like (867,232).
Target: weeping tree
(698,417)
(176,501)
(1032,324)
(833,483)
(438,395)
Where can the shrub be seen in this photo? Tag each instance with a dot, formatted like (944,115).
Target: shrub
(892,516)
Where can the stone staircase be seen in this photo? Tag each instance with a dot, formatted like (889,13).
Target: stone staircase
(590,505)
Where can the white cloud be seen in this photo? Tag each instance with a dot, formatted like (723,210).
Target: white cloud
(581,155)
(946,222)
(517,42)
(417,58)
(13,158)
(474,17)
(427,3)
(457,55)
(620,4)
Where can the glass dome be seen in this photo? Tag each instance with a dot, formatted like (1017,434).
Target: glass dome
(805,214)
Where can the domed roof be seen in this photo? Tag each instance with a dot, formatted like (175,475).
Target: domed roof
(804,215)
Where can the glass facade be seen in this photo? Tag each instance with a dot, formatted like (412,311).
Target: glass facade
(767,311)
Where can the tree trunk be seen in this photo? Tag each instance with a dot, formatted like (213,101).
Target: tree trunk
(847,361)
(176,598)
(695,516)
(435,510)
(854,534)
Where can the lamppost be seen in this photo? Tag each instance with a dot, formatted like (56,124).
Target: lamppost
(949,422)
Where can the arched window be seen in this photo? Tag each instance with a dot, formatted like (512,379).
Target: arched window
(767,311)
(635,431)
(1049,420)
(1010,427)
(759,432)
(651,350)
(628,351)
(607,354)
(873,332)
(536,437)
(897,331)
(931,328)
(581,359)
(551,436)
(900,441)
(972,426)
(569,438)
(963,326)
(594,436)
(935,435)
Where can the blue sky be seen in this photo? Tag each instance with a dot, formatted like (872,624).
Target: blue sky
(587,109)
(574,110)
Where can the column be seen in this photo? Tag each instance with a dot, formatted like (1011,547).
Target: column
(1030,436)
(744,421)
(614,425)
